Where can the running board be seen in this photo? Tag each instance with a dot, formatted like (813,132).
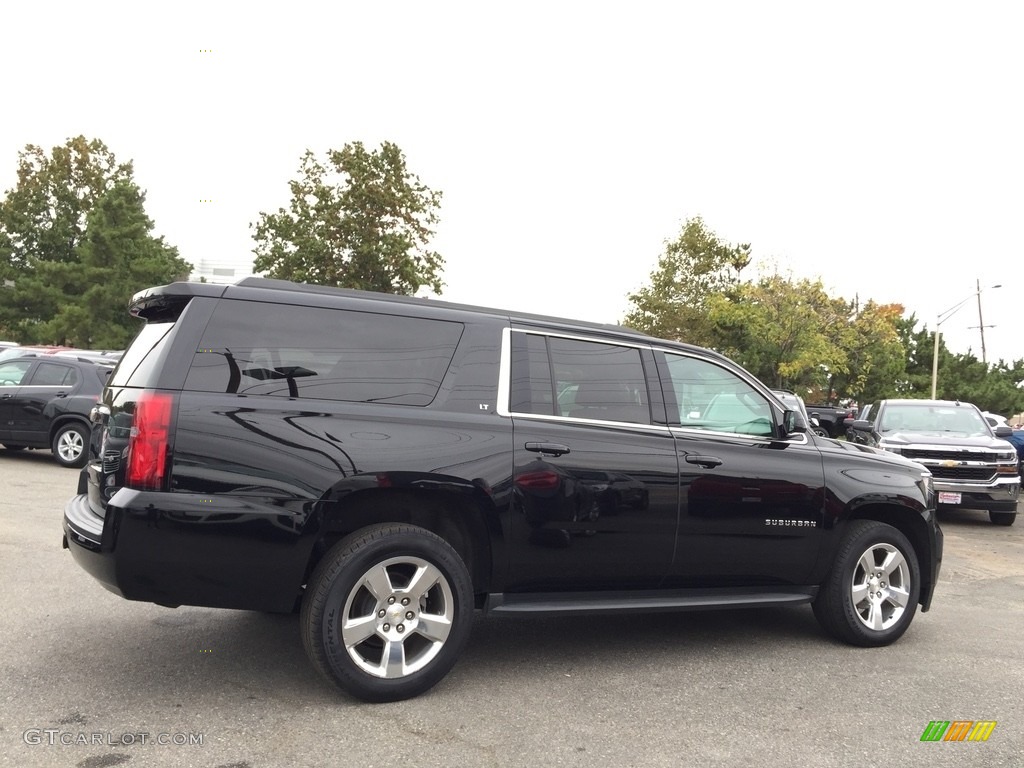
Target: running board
(644,602)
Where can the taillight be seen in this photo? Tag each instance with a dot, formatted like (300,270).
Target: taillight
(147,443)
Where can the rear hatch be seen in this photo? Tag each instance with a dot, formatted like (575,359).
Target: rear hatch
(133,424)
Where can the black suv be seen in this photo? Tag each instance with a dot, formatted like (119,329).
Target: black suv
(390,464)
(45,402)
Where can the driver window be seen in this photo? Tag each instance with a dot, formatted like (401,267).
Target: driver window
(713,398)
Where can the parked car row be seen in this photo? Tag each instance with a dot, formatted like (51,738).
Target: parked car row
(11,350)
(46,395)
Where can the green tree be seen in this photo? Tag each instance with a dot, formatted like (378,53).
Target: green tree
(43,218)
(876,357)
(359,219)
(776,329)
(43,223)
(118,257)
(694,268)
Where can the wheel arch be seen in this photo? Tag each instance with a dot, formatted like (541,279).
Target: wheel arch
(64,419)
(912,525)
(457,517)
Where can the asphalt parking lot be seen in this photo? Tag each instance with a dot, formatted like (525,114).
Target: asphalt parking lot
(90,680)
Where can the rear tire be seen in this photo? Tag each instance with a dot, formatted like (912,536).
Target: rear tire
(871,594)
(1002,518)
(387,612)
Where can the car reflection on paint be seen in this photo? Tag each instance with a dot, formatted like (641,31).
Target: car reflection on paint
(561,502)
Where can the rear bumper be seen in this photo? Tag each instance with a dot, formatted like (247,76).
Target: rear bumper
(83,537)
(179,549)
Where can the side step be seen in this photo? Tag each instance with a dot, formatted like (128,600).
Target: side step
(644,602)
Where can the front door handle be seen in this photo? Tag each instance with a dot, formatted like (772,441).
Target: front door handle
(548,449)
(708,462)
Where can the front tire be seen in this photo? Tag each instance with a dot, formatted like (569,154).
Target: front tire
(387,612)
(1002,518)
(871,594)
(70,445)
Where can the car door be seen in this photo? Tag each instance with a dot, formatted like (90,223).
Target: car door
(12,374)
(43,395)
(751,504)
(595,480)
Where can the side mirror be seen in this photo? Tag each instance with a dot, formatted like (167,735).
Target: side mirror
(1003,431)
(861,425)
(791,424)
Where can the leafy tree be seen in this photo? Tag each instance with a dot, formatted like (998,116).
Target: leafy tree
(792,333)
(776,329)
(118,257)
(876,356)
(996,388)
(73,235)
(43,218)
(919,350)
(694,268)
(359,219)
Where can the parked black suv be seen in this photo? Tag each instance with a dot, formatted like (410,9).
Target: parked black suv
(391,464)
(45,402)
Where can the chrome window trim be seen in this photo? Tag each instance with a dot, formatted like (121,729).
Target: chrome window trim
(505,379)
(505,388)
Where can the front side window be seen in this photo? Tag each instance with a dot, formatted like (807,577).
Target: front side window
(578,379)
(12,374)
(254,348)
(713,398)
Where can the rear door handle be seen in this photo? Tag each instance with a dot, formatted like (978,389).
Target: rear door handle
(708,462)
(548,449)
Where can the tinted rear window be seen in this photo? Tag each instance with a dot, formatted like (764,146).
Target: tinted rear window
(136,365)
(256,348)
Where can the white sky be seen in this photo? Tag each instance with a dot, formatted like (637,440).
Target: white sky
(878,146)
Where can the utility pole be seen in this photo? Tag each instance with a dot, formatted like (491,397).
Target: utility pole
(981,322)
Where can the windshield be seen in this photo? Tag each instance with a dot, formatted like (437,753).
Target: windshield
(942,419)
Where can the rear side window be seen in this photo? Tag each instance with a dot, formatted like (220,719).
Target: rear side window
(256,348)
(574,378)
(53,375)
(137,364)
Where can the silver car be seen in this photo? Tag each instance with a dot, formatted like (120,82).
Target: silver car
(973,465)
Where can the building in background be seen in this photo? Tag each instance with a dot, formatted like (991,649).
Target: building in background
(220,271)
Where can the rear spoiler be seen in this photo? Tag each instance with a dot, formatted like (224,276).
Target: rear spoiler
(165,302)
